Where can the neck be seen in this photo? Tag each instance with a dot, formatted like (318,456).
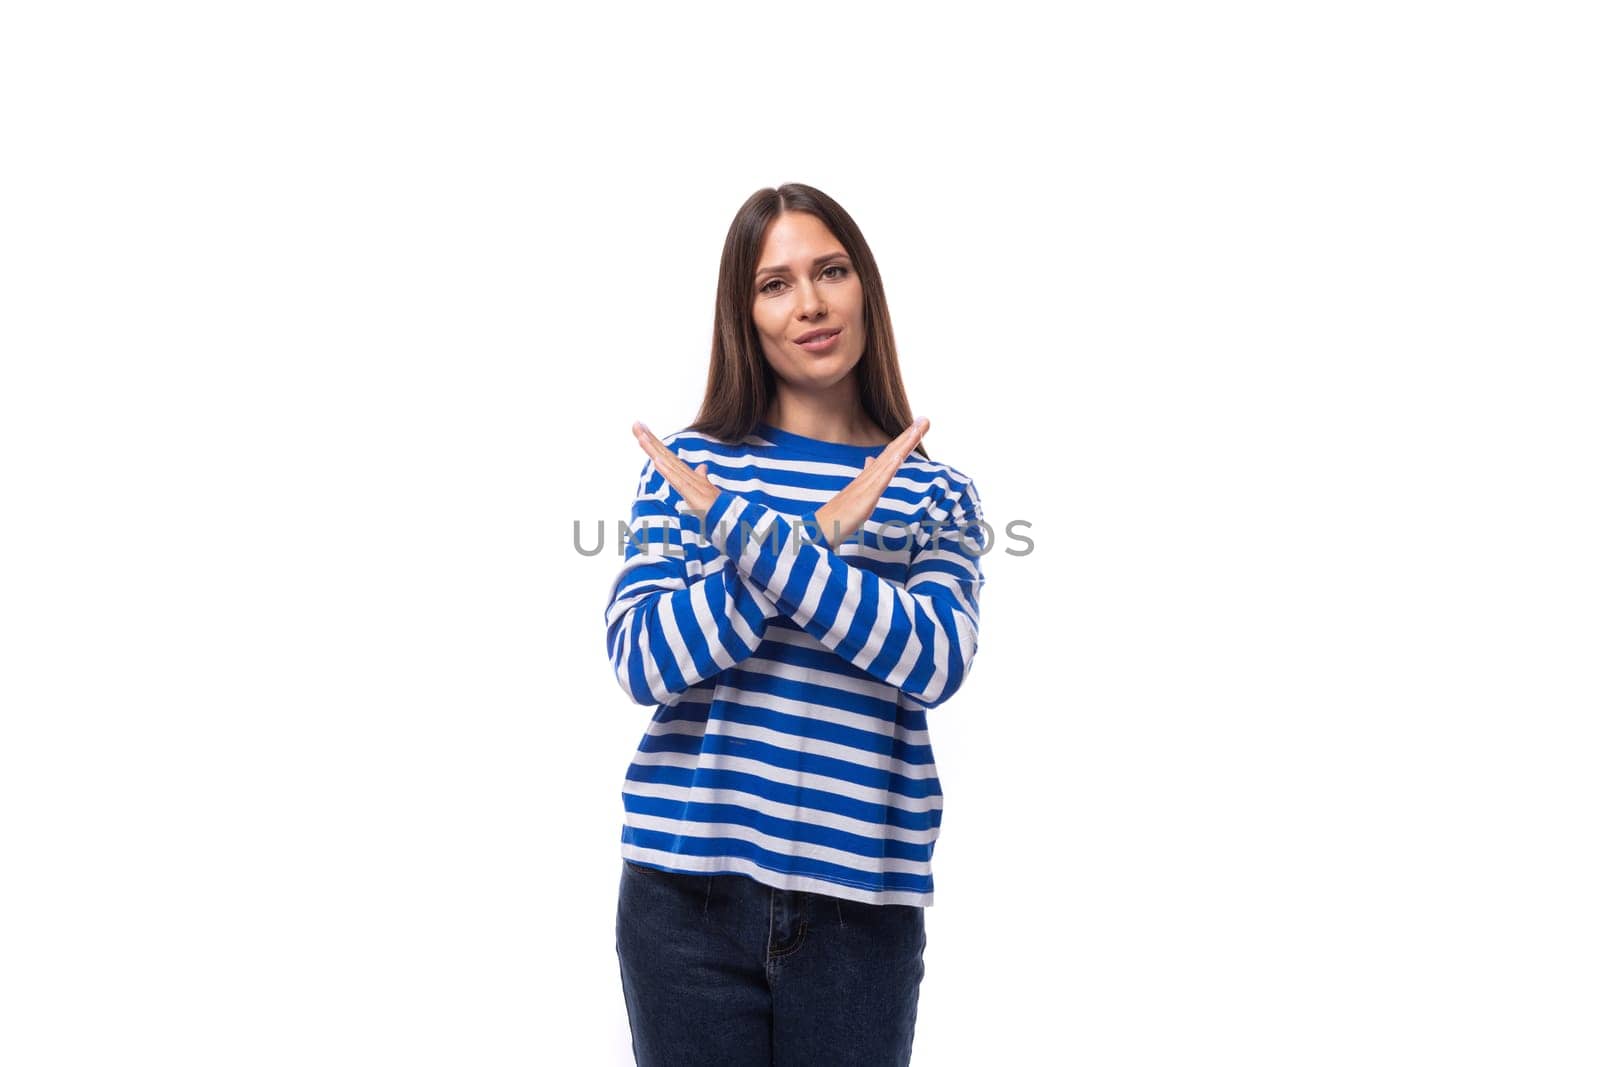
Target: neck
(825,420)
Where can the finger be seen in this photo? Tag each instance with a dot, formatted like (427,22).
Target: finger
(704,471)
(912,435)
(691,483)
(671,467)
(646,439)
(644,445)
(910,439)
(898,449)
(880,474)
(666,460)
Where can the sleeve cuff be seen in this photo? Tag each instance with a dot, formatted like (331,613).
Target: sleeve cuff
(714,519)
(730,511)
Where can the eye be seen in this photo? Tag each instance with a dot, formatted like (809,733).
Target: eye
(840,267)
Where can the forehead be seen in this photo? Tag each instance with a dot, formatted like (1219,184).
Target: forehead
(796,236)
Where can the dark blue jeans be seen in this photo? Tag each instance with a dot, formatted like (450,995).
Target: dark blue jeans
(719,970)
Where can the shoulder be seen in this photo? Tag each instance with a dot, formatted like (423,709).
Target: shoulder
(946,481)
(695,447)
(683,442)
(954,504)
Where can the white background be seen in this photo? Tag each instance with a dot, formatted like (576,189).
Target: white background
(322,323)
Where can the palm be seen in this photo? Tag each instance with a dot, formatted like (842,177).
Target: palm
(850,507)
(691,483)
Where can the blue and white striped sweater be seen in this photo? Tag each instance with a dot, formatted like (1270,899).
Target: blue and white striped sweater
(791,679)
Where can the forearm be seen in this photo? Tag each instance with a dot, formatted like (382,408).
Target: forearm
(920,638)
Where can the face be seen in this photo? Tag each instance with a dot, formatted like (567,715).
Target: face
(804,283)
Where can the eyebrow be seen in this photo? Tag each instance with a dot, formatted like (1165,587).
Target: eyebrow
(819,261)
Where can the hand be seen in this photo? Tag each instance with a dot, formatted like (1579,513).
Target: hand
(854,504)
(690,482)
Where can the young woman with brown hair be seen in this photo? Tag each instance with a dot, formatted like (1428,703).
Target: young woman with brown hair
(799,588)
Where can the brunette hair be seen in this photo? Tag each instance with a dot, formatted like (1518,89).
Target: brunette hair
(739,384)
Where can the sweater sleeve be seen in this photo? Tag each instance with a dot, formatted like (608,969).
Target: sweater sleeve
(674,618)
(920,637)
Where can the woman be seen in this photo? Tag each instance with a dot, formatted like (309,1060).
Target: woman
(799,587)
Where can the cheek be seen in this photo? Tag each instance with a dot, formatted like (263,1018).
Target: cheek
(858,306)
(769,320)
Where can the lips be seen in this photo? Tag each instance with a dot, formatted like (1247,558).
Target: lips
(816,334)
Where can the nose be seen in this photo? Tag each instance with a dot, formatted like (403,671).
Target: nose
(811,305)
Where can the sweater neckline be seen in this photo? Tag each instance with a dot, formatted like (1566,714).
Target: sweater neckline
(814,445)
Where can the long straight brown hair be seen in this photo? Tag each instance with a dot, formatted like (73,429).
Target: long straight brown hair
(739,384)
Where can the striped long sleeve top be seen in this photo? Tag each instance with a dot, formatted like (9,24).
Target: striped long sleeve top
(791,678)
